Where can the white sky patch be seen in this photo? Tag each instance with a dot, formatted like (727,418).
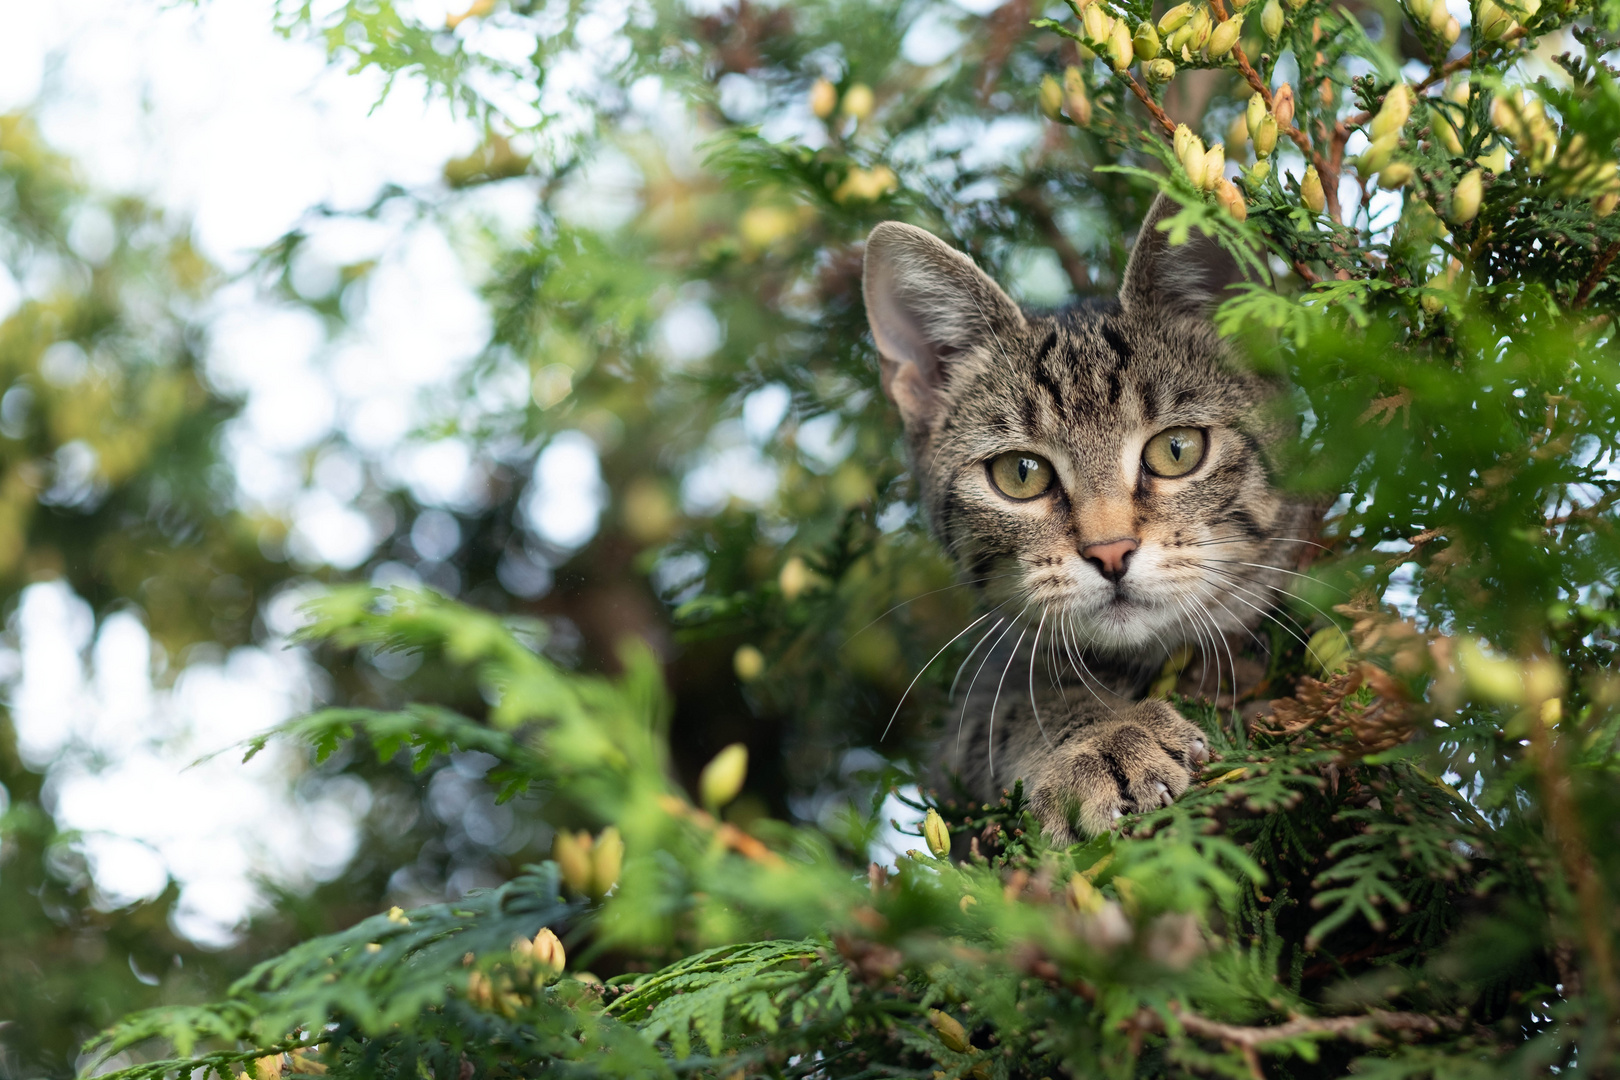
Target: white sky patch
(327,532)
(604,195)
(1402,592)
(566,496)
(932,37)
(891,842)
(11,293)
(437,472)
(731,472)
(118,754)
(687,332)
(207,110)
(764,410)
(825,440)
(731,465)
(435,535)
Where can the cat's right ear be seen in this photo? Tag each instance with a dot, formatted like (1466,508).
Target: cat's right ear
(1186,279)
(928,305)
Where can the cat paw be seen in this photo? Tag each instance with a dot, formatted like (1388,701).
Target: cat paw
(1139,761)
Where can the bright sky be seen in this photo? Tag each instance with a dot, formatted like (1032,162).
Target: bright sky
(207,112)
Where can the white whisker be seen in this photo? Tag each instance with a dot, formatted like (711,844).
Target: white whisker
(1257,540)
(967,698)
(1270,610)
(950,695)
(1203,649)
(1034,648)
(1295,596)
(1280,570)
(926,666)
(919,596)
(1077,661)
(990,738)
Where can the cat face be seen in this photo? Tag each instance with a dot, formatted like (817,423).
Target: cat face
(1101,469)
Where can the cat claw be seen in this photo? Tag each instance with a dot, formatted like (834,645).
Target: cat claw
(1165,798)
(1198,752)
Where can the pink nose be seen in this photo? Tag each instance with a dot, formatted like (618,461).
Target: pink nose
(1110,558)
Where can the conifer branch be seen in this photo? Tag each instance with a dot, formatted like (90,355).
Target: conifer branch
(1363,1029)
(1167,124)
(1328,170)
(1598,270)
(1569,841)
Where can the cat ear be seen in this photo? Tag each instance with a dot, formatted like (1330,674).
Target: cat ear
(1185,279)
(927,304)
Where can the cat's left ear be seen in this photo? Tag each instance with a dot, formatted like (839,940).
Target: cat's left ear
(1185,279)
(928,305)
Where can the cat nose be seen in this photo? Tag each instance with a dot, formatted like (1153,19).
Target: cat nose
(1110,558)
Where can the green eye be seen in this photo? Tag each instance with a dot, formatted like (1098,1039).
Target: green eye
(1018,474)
(1174,452)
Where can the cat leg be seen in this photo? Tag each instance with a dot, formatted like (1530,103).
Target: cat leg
(1097,771)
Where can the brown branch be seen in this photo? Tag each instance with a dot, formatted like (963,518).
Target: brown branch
(1159,114)
(1362,1029)
(1569,841)
(1327,171)
(1341,135)
(1597,272)
(728,834)
(1596,512)
(1249,74)
(1324,968)
(1444,71)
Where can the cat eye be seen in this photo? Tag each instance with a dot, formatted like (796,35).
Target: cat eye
(1174,452)
(1019,474)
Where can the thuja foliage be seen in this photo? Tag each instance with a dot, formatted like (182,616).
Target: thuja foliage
(1401,865)
(1263,893)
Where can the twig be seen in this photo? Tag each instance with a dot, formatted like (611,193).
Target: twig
(727,833)
(1569,841)
(1445,71)
(1328,172)
(1595,512)
(1159,114)
(1362,1029)
(1597,272)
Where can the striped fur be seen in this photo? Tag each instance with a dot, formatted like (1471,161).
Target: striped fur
(1055,690)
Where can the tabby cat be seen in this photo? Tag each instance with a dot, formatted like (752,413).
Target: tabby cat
(1100,476)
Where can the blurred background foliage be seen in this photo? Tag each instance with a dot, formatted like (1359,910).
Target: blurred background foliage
(682,306)
(674,433)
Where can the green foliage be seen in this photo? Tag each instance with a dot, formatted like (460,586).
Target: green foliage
(1403,867)
(1261,888)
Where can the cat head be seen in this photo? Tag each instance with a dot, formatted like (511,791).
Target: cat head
(1101,467)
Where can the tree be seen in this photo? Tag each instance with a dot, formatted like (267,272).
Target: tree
(1400,868)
